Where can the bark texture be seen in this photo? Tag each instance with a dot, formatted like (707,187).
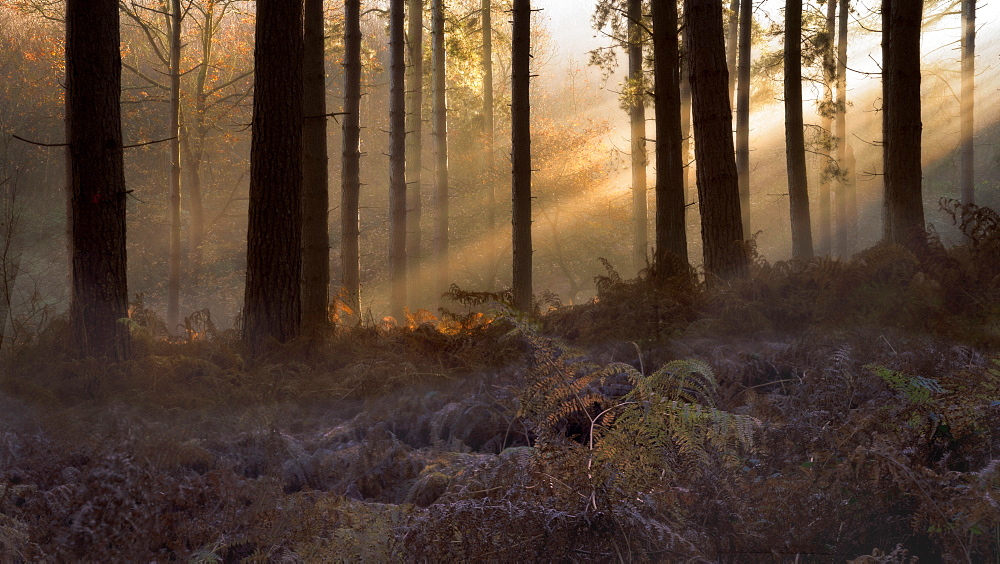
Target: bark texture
(350,170)
(521,153)
(397,160)
(795,144)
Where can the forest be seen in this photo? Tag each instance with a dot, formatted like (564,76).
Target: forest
(500,280)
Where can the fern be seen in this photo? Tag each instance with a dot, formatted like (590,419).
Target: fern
(916,389)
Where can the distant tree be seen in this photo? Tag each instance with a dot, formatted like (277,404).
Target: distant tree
(521,153)
(968,155)
(732,47)
(827,44)
(686,108)
(315,176)
(743,114)
(846,199)
(271,307)
(397,160)
(440,132)
(901,126)
(488,114)
(174,239)
(718,186)
(795,151)
(96,180)
(350,170)
(414,143)
(671,228)
(636,97)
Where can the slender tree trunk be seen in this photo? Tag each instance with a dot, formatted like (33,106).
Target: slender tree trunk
(271,308)
(968,157)
(686,109)
(193,156)
(718,185)
(843,233)
(732,41)
(743,115)
(637,117)
(489,129)
(414,145)
(521,153)
(795,144)
(174,258)
(904,209)
(315,175)
(350,170)
(397,160)
(440,127)
(829,77)
(671,231)
(96,180)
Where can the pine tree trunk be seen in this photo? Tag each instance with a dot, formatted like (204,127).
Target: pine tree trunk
(904,209)
(489,131)
(440,127)
(968,156)
(732,50)
(844,236)
(96,180)
(397,160)
(521,153)
(637,119)
(414,145)
(174,240)
(350,171)
(743,115)
(192,155)
(315,175)
(686,110)
(671,231)
(271,308)
(795,148)
(718,186)
(829,76)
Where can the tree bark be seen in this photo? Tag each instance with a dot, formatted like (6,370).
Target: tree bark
(843,233)
(825,242)
(96,180)
(718,186)
(174,240)
(414,143)
(271,308)
(315,175)
(397,160)
(743,115)
(671,229)
(904,210)
(440,127)
(795,148)
(350,171)
(732,48)
(521,153)
(968,156)
(637,118)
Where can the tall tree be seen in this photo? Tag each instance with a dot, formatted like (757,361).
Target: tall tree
(521,153)
(795,144)
(174,245)
(901,127)
(350,170)
(440,132)
(397,160)
(828,46)
(315,175)
(488,119)
(718,186)
(743,114)
(732,47)
(686,107)
(637,117)
(414,141)
(968,158)
(271,306)
(96,180)
(843,232)
(671,231)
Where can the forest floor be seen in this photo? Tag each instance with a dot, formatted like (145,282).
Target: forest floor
(818,412)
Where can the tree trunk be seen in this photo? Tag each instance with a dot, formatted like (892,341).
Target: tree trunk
(829,77)
(96,180)
(718,186)
(397,160)
(968,157)
(174,245)
(795,144)
(743,115)
(315,174)
(904,209)
(271,308)
(521,153)
(671,231)
(732,40)
(193,156)
(686,110)
(844,236)
(414,144)
(489,129)
(637,117)
(350,170)
(440,127)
